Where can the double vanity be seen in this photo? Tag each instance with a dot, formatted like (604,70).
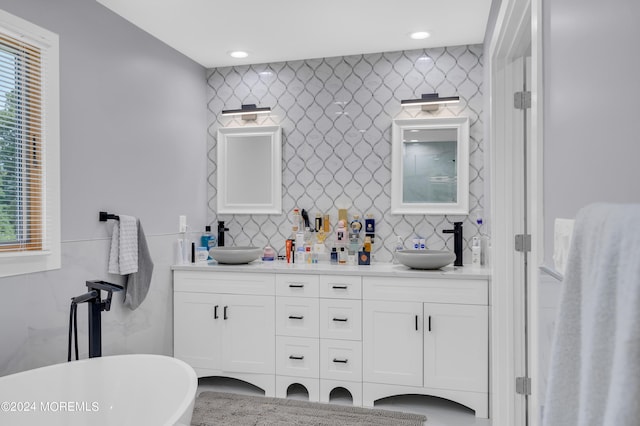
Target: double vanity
(376,331)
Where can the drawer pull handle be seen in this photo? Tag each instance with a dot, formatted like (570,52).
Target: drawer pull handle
(296,285)
(341,319)
(215,312)
(429,322)
(339,287)
(298,357)
(342,361)
(416,323)
(225,313)
(296,317)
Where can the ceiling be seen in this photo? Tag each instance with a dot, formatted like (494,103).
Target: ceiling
(283,30)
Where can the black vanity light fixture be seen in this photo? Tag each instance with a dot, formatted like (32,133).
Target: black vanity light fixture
(247,112)
(430,101)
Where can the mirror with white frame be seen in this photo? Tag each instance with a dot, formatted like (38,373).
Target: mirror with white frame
(249,170)
(430,166)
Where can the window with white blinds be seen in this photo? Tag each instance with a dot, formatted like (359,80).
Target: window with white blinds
(29,145)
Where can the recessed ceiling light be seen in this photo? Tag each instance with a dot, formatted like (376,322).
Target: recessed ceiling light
(238,54)
(419,35)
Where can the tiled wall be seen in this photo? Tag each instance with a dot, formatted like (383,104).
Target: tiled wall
(336,116)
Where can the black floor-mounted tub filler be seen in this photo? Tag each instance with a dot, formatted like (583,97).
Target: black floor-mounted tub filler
(95,307)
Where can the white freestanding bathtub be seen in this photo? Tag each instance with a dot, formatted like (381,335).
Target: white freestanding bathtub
(112,390)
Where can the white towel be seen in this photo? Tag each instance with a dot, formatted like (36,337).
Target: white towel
(123,256)
(562,230)
(595,366)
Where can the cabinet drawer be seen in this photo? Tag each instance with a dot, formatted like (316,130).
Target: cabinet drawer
(297,316)
(224,282)
(297,285)
(341,360)
(340,287)
(296,356)
(433,290)
(341,319)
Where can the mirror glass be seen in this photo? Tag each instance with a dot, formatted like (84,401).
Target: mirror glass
(249,170)
(430,163)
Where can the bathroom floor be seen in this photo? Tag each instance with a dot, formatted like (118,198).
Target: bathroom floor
(439,412)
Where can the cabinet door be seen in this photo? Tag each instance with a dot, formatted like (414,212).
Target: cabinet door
(456,347)
(392,342)
(248,334)
(196,332)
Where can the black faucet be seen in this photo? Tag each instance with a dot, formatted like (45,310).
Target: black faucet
(457,241)
(221,231)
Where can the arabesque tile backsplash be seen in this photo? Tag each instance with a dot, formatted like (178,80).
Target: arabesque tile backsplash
(336,116)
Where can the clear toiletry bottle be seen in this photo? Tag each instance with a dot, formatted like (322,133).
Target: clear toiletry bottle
(476,251)
(485,242)
(342,256)
(399,247)
(296,220)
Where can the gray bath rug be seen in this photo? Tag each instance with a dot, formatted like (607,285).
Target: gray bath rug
(228,409)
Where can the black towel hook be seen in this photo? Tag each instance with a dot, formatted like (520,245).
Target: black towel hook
(104,216)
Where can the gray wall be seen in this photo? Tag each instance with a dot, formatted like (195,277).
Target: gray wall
(336,115)
(133,139)
(591,92)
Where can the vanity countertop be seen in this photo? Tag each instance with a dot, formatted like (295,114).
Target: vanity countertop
(376,269)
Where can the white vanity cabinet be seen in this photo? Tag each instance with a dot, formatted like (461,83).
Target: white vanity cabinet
(426,337)
(376,331)
(224,325)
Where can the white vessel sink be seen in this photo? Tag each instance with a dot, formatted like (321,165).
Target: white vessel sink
(235,255)
(425,259)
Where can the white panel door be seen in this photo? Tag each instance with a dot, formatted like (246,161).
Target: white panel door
(392,342)
(456,347)
(248,334)
(196,331)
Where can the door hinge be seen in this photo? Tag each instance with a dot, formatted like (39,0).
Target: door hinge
(522,100)
(523,242)
(523,385)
